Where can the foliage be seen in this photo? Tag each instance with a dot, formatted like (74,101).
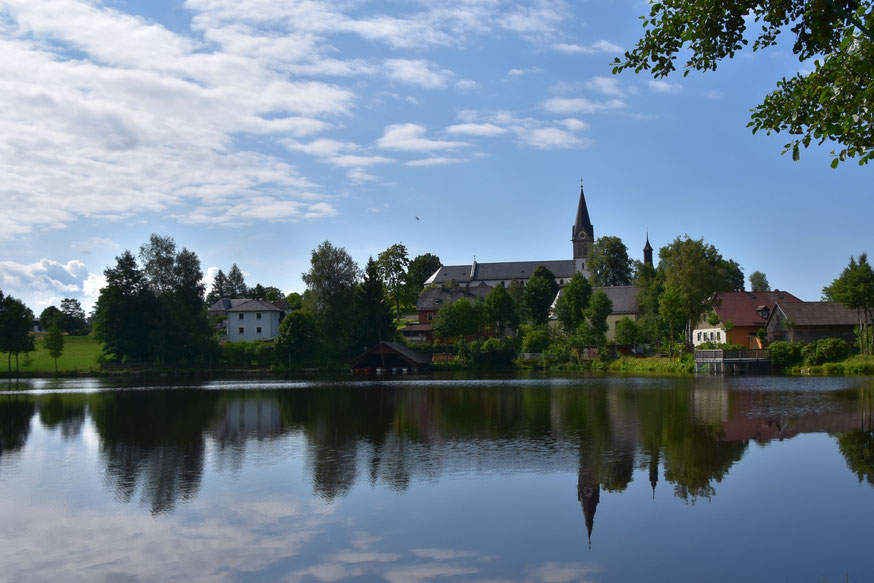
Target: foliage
(393,264)
(49,317)
(235,284)
(249,354)
(53,342)
(500,310)
(785,355)
(298,337)
(418,271)
(571,305)
(294,300)
(595,329)
(830,102)
(759,282)
(609,262)
(713,319)
(218,289)
(825,350)
(695,271)
(857,447)
(458,320)
(627,331)
(73,321)
(535,339)
(650,284)
(374,319)
(16,322)
(331,282)
(673,312)
(492,352)
(854,288)
(539,294)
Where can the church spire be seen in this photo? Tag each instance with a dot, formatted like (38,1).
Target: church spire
(582,228)
(647,251)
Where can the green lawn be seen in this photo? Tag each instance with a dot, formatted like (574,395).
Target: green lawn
(80,352)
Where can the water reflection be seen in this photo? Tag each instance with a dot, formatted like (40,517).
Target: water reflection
(153,442)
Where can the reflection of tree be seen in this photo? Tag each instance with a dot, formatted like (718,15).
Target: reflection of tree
(857,448)
(15,415)
(153,440)
(64,411)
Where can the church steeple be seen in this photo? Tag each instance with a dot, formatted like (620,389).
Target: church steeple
(582,236)
(647,251)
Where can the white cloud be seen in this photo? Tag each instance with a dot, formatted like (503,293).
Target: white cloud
(574,124)
(437,161)
(564,105)
(663,86)
(409,136)
(466,84)
(521,72)
(606,86)
(476,129)
(551,138)
(602,46)
(417,72)
(48,281)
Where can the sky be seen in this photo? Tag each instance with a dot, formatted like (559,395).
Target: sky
(253,130)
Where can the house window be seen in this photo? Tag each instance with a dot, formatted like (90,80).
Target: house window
(241,330)
(719,335)
(699,336)
(240,316)
(711,336)
(430,315)
(765,313)
(258,330)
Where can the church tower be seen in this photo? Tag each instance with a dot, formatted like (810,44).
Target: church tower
(647,252)
(582,237)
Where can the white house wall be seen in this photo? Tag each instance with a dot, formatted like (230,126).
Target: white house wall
(268,323)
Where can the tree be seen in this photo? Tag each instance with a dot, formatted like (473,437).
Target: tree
(294,300)
(123,311)
(600,307)
(419,270)
(759,282)
(501,310)
(458,320)
(73,321)
(53,341)
(219,288)
(829,101)
(609,262)
(673,309)
(298,336)
(855,290)
(734,274)
(158,257)
(49,316)
(374,317)
(236,284)
(539,294)
(570,308)
(627,331)
(393,267)
(16,323)
(331,282)
(696,272)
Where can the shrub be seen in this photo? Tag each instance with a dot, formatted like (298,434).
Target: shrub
(785,354)
(825,350)
(536,339)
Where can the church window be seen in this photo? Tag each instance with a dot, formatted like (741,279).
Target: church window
(579,249)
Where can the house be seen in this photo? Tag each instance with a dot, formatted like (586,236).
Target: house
(811,321)
(624,301)
(247,319)
(431,300)
(747,311)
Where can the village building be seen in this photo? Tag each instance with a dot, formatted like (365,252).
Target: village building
(748,313)
(247,319)
(811,321)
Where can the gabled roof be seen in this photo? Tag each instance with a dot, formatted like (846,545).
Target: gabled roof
(432,299)
(818,314)
(409,355)
(255,306)
(226,304)
(624,298)
(500,271)
(744,308)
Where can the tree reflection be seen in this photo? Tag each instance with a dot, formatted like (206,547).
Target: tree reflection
(64,411)
(16,411)
(153,441)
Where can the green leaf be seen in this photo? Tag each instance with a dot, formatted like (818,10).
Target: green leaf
(835,163)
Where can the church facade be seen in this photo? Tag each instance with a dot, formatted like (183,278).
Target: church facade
(494,274)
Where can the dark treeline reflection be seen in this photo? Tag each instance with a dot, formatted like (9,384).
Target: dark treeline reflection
(685,432)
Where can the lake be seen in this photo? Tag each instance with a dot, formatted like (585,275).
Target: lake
(527,478)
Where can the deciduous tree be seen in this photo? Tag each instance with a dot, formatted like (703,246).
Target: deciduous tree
(393,264)
(16,322)
(298,336)
(829,101)
(759,282)
(571,306)
(501,310)
(540,292)
(374,320)
(609,262)
(855,290)
(53,342)
(331,282)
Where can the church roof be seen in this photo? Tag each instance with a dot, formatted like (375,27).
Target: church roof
(432,299)
(647,247)
(583,221)
(500,271)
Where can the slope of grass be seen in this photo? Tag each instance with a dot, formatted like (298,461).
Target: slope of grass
(80,353)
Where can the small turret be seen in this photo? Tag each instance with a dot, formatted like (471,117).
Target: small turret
(647,251)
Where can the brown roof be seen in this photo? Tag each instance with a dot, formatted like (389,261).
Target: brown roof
(744,308)
(818,314)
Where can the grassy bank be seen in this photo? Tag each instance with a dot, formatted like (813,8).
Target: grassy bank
(853,366)
(683,365)
(80,354)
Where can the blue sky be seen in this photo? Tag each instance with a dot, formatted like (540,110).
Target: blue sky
(252,130)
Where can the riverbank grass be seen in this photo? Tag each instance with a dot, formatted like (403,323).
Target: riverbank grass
(80,353)
(655,364)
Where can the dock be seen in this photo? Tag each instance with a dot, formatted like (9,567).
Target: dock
(747,360)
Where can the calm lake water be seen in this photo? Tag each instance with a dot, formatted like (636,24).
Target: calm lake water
(428,480)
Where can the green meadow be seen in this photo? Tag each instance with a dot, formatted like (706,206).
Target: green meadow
(80,353)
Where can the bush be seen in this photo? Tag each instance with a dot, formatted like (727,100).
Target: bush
(535,339)
(785,354)
(825,350)
(493,352)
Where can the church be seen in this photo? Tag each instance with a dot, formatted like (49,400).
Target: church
(494,274)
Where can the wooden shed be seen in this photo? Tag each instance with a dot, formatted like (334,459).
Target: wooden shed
(391,356)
